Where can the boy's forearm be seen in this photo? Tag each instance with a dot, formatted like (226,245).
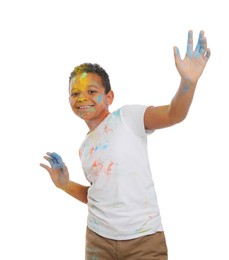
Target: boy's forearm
(181,102)
(76,190)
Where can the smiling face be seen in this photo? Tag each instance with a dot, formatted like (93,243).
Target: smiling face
(88,99)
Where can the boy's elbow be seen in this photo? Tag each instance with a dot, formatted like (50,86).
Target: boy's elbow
(178,119)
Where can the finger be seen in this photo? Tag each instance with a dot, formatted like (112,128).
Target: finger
(198,45)
(47,158)
(53,162)
(176,54)
(51,155)
(57,161)
(208,54)
(45,166)
(57,157)
(203,45)
(190,43)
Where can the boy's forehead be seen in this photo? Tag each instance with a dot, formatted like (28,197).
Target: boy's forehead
(85,79)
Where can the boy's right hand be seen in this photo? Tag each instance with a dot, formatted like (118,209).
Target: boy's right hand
(58,170)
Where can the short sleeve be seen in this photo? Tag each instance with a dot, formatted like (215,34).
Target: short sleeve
(133,117)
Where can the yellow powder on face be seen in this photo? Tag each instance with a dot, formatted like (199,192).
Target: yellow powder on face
(80,83)
(83,82)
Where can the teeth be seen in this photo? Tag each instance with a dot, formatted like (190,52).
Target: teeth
(83,107)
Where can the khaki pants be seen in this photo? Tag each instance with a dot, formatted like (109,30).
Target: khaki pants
(152,247)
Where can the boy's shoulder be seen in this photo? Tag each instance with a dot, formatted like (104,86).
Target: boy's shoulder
(131,109)
(133,116)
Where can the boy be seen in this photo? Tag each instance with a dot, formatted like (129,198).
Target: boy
(123,214)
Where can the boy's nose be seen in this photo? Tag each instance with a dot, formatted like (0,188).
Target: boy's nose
(82,98)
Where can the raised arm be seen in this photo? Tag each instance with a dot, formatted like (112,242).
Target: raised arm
(60,177)
(190,70)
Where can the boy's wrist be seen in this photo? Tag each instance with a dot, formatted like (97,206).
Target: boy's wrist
(189,82)
(65,186)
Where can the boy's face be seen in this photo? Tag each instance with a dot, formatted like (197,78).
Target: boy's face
(87,97)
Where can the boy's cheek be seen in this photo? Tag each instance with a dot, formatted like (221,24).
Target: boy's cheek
(71,101)
(98,99)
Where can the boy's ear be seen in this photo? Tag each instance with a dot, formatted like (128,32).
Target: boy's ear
(110,97)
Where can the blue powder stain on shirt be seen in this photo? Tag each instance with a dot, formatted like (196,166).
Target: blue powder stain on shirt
(117,113)
(101,147)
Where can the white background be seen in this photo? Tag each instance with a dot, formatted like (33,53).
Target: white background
(41,42)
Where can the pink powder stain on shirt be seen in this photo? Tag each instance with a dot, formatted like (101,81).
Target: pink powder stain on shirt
(80,154)
(107,129)
(98,167)
(92,150)
(109,169)
(97,164)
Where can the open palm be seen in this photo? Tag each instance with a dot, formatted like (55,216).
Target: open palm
(192,66)
(58,170)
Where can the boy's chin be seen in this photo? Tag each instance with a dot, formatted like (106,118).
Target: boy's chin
(86,116)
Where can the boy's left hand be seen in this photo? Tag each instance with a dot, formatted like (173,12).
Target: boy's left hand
(192,66)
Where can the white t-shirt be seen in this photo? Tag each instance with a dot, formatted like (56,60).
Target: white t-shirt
(122,203)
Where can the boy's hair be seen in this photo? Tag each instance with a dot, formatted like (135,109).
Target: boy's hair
(92,68)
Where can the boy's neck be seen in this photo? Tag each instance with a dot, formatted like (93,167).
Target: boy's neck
(92,124)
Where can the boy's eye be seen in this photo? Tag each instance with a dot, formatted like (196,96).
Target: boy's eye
(74,94)
(91,91)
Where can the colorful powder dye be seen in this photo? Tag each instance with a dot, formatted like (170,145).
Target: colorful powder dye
(91,109)
(117,113)
(99,98)
(185,89)
(84,75)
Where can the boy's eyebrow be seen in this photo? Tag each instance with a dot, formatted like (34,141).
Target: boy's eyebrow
(77,89)
(95,86)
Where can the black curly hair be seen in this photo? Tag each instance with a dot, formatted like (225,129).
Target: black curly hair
(92,68)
